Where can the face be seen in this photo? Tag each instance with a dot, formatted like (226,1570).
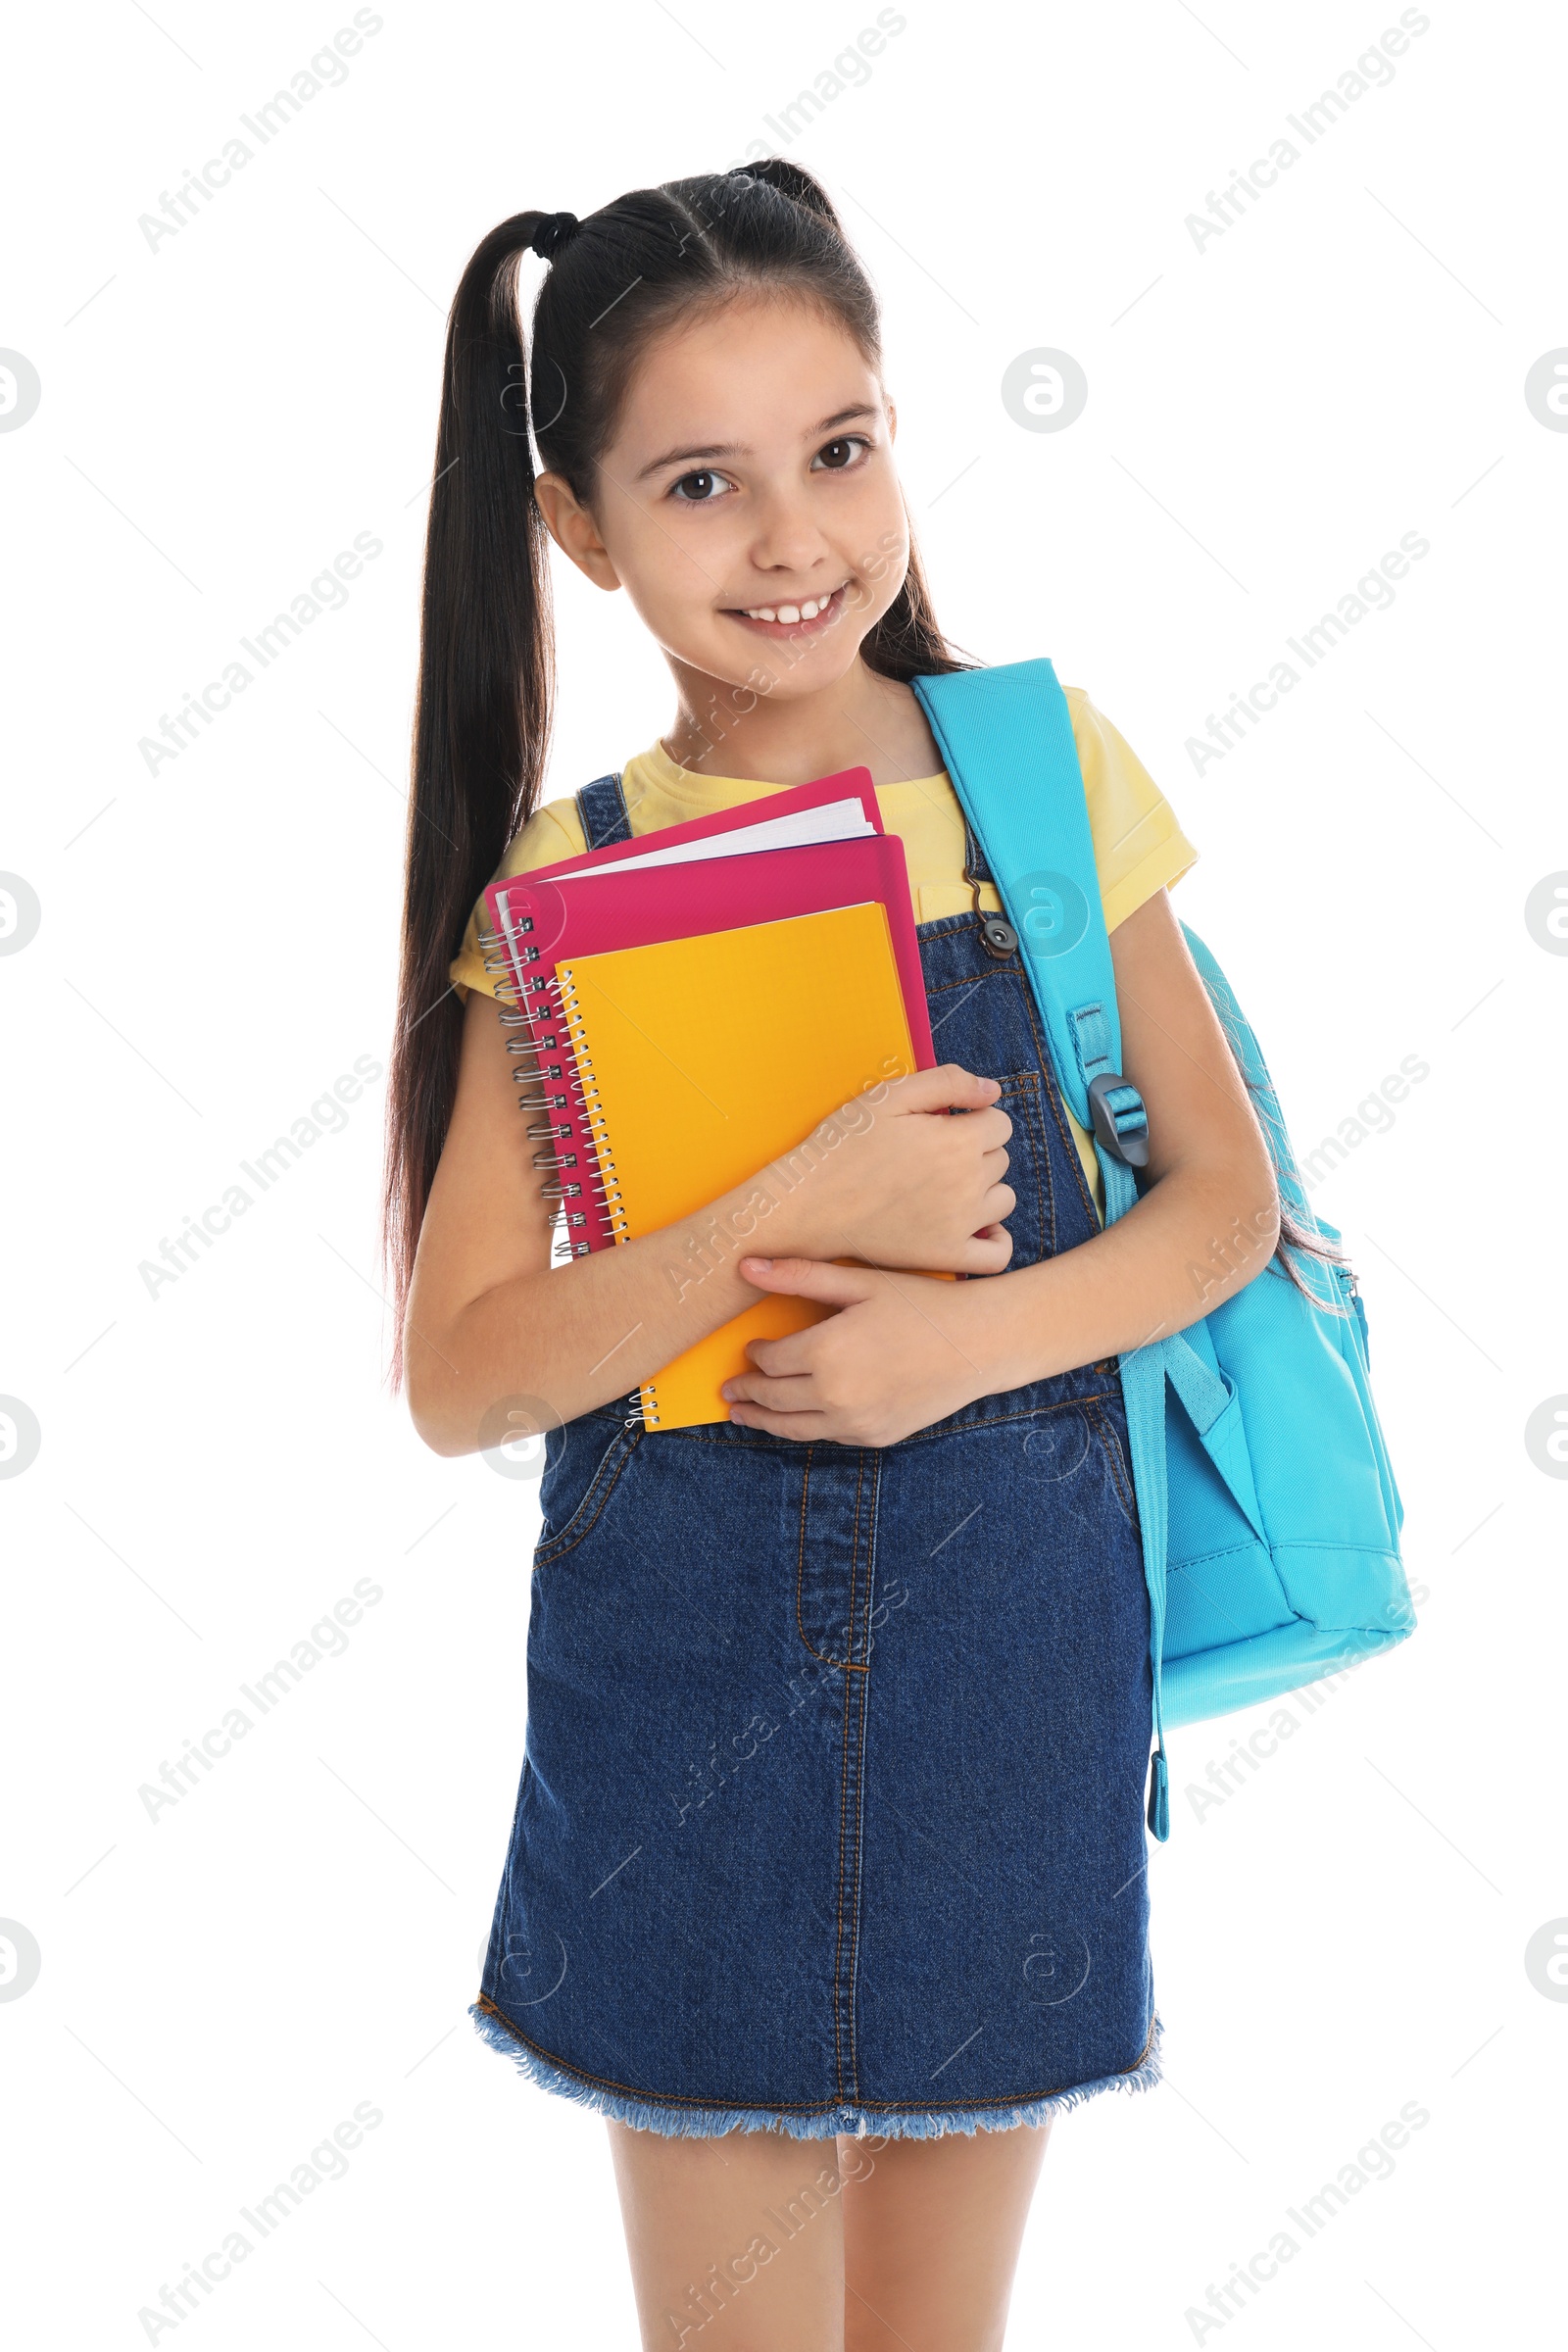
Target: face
(751,475)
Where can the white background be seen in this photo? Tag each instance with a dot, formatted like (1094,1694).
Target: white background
(221,1462)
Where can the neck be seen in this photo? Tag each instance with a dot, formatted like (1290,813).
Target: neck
(860,720)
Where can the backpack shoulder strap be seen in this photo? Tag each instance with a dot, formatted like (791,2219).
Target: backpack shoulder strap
(1006,734)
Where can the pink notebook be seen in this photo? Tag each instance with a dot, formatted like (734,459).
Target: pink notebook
(848,784)
(538,921)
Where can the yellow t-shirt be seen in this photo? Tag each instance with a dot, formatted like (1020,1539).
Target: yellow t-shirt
(1139,845)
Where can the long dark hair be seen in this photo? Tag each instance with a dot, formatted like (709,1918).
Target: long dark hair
(486,687)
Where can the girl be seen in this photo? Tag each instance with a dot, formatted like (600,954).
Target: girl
(830,1828)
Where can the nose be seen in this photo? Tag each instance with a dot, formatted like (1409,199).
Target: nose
(787,539)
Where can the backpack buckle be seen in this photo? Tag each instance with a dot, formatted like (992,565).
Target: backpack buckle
(1121,1120)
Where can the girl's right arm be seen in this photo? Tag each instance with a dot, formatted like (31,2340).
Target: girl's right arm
(490,1318)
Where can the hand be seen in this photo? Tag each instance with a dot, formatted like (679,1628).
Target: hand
(891,1360)
(889,1178)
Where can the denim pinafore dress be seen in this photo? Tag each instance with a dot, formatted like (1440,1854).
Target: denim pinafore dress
(831,1817)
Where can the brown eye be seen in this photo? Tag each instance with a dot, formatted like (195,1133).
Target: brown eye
(839,457)
(702,495)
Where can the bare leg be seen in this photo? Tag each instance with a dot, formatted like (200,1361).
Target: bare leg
(736,2243)
(932,2229)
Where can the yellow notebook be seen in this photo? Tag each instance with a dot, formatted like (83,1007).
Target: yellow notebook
(702,1060)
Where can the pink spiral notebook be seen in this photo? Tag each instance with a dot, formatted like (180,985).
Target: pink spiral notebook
(585,906)
(795,804)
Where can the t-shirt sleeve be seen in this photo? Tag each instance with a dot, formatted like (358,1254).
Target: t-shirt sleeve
(1139,845)
(552,833)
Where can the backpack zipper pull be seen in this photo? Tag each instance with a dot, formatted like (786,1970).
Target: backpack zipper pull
(1159,1793)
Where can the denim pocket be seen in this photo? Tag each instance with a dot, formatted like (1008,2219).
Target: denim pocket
(1055,1446)
(1106,1430)
(583,1463)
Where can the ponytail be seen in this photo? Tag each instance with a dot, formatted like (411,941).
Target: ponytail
(486,688)
(482,716)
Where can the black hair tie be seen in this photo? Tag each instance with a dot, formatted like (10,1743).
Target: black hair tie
(553,231)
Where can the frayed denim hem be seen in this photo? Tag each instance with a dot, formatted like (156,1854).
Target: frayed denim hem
(697,2121)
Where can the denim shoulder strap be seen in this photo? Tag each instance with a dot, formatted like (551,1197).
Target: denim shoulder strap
(601,809)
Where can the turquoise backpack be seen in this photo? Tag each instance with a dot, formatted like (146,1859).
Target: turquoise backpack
(1269,1513)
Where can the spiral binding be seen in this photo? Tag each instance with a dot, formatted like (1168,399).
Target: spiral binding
(606,1188)
(531,1032)
(538,1017)
(646,1400)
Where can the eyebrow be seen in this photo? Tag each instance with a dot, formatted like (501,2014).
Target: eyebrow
(737,449)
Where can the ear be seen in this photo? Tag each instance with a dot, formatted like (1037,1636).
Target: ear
(573,529)
(893,421)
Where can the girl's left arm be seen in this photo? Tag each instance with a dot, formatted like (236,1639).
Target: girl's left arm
(906,1351)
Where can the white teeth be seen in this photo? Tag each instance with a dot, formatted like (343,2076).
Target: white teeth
(790,614)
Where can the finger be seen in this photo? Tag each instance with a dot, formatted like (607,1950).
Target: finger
(787,1358)
(990,1128)
(949,1087)
(808,1277)
(988,1253)
(804,1427)
(796,1393)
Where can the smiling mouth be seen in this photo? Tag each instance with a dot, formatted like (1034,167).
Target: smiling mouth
(802,619)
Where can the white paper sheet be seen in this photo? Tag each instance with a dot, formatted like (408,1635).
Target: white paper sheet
(832,821)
